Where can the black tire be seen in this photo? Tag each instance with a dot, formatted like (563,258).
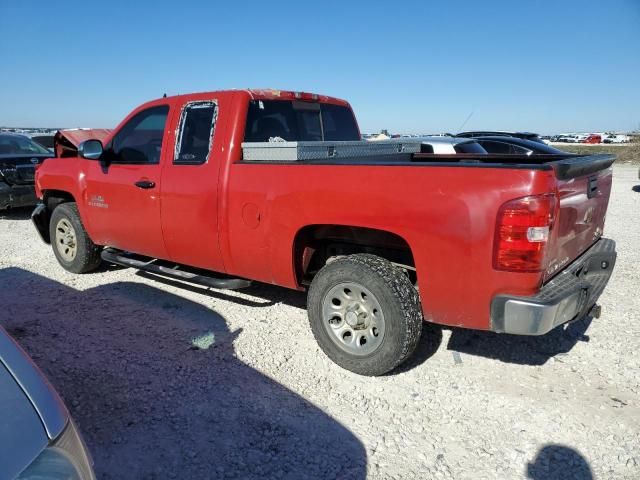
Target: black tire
(87,254)
(395,295)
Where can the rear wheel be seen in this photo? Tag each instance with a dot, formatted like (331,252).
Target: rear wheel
(365,314)
(71,244)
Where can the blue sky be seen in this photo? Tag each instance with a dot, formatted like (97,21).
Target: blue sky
(423,66)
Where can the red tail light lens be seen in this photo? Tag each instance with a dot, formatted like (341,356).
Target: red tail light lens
(522,233)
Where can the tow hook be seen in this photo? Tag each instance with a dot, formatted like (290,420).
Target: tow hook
(595,311)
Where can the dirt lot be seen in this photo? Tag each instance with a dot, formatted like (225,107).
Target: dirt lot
(259,399)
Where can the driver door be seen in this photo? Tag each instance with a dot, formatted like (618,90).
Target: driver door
(122,192)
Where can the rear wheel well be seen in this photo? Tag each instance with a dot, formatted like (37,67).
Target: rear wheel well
(314,245)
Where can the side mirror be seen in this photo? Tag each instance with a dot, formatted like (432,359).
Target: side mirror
(90,149)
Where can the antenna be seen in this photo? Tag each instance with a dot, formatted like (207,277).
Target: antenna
(465,122)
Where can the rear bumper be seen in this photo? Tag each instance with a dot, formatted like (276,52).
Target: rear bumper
(568,296)
(16,195)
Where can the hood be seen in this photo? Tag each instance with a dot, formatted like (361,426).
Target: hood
(65,142)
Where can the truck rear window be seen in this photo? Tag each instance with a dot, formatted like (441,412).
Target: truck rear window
(299,121)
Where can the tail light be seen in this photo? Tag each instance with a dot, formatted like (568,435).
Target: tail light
(522,233)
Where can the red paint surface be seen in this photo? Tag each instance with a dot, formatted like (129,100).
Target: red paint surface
(198,214)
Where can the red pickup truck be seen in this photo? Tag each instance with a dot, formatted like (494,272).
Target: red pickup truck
(381,242)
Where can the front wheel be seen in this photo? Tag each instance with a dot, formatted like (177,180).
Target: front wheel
(365,314)
(71,244)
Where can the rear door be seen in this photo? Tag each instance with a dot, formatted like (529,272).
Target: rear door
(122,190)
(190,185)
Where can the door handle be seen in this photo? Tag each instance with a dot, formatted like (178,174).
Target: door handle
(145,184)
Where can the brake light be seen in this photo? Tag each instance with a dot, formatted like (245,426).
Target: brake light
(522,233)
(306,97)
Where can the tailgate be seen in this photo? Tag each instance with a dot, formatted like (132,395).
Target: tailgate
(584,187)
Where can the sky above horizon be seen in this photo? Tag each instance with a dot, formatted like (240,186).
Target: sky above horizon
(411,67)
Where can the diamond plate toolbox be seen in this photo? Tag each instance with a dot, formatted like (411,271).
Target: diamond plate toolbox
(302,151)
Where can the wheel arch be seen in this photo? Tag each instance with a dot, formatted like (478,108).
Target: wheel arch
(53,198)
(314,244)
(41,216)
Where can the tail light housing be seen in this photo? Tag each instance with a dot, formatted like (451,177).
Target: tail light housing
(523,229)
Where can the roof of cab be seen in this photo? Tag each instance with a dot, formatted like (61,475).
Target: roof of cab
(269,94)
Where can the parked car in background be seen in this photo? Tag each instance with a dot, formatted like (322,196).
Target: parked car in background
(45,141)
(565,138)
(614,138)
(450,145)
(534,137)
(516,146)
(593,138)
(18,157)
(38,439)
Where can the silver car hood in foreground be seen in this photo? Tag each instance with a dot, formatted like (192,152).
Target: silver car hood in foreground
(41,396)
(22,435)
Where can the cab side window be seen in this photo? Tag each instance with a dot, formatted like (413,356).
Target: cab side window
(139,141)
(195,138)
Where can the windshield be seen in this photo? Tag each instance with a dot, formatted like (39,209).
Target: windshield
(18,144)
(296,121)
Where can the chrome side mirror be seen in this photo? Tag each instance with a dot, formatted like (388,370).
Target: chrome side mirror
(90,149)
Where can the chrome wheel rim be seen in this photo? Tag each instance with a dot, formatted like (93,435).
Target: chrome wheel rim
(66,241)
(352,317)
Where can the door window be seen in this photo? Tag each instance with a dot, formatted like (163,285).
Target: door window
(140,139)
(197,125)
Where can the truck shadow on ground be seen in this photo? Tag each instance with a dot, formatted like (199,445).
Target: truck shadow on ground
(524,350)
(559,462)
(430,339)
(21,213)
(152,405)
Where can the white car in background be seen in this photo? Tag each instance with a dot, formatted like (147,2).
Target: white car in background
(451,145)
(614,138)
(565,138)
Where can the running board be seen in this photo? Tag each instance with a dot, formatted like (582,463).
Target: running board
(119,257)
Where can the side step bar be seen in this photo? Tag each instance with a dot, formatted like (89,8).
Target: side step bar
(119,257)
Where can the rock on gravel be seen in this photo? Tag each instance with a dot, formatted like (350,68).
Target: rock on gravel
(173,382)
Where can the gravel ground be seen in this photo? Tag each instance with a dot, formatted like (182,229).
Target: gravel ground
(260,400)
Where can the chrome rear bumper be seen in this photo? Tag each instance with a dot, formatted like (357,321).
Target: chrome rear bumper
(568,296)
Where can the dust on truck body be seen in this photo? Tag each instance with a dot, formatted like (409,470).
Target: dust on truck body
(382,239)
